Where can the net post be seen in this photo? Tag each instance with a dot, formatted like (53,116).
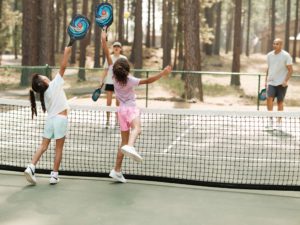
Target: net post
(258,90)
(147,76)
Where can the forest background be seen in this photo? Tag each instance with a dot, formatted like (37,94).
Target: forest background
(231,36)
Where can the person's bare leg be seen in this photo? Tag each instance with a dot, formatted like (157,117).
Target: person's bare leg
(42,148)
(135,131)
(120,155)
(270,103)
(270,108)
(279,108)
(117,104)
(58,153)
(109,95)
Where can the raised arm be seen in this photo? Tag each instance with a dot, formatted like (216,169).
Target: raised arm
(156,77)
(64,61)
(105,48)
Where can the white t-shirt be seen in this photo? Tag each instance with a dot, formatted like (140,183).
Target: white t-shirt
(277,67)
(114,58)
(55,97)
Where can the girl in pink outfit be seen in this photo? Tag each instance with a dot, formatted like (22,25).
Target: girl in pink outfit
(128,112)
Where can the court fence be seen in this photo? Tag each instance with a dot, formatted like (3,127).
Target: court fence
(19,76)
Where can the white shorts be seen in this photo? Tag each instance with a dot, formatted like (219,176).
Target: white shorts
(56,127)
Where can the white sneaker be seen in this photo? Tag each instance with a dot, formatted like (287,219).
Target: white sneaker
(131,152)
(118,176)
(29,174)
(53,179)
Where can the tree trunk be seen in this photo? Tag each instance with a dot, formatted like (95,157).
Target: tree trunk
(16,33)
(74,46)
(218,29)
(248,28)
(97,43)
(179,37)
(137,48)
(83,45)
(168,39)
(63,43)
(30,41)
(153,24)
(287,25)
(235,79)
(57,20)
(209,16)
(228,46)
(273,23)
(121,22)
(46,34)
(148,25)
(164,23)
(193,83)
(296,32)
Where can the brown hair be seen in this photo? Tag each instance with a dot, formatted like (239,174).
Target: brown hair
(121,70)
(39,86)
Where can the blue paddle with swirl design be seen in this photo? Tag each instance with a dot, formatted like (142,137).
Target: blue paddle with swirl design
(104,15)
(78,28)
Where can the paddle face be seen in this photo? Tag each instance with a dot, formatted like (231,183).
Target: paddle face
(78,27)
(263,95)
(96,94)
(104,15)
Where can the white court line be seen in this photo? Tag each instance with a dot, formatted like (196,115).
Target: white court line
(178,139)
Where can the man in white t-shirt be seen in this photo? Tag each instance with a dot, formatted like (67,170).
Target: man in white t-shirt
(279,72)
(107,76)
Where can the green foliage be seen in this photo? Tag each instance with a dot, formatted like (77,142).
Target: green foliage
(9,19)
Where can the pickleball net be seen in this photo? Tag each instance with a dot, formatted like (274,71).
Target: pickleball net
(211,148)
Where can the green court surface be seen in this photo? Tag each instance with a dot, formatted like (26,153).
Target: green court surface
(78,200)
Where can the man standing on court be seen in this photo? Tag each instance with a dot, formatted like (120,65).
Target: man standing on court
(278,74)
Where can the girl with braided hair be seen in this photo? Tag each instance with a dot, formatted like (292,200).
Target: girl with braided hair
(54,102)
(128,112)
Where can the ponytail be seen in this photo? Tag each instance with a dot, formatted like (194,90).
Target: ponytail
(33,103)
(39,86)
(42,101)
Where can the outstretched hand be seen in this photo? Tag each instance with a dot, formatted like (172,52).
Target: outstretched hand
(167,70)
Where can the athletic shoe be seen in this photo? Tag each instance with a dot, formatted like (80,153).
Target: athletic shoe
(118,176)
(131,152)
(53,179)
(29,174)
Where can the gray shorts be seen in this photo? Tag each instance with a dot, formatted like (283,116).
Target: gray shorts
(277,92)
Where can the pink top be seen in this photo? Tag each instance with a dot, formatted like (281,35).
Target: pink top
(125,94)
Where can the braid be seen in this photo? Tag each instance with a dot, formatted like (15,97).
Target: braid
(121,70)
(33,104)
(42,101)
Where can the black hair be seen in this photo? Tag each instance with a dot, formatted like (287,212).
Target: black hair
(38,85)
(121,70)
